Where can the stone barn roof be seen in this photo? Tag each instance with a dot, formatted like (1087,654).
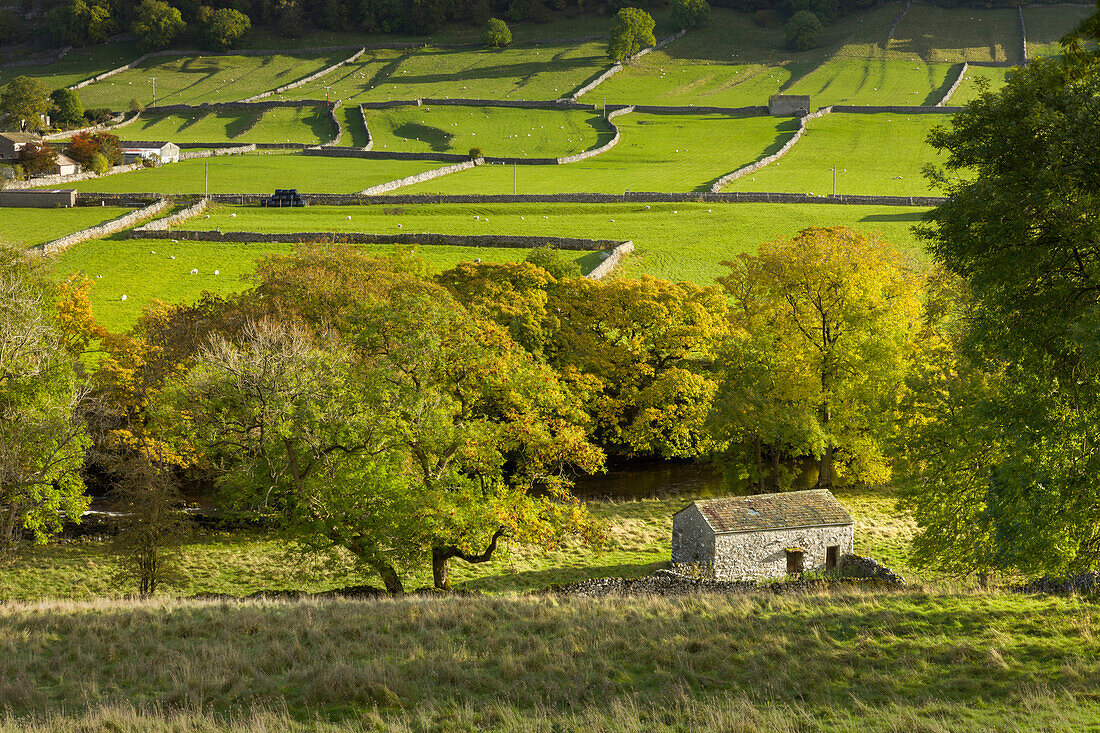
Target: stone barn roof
(787,510)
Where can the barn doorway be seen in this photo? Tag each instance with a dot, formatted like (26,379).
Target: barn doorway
(794,562)
(832,557)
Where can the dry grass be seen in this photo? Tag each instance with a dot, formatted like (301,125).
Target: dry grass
(906,660)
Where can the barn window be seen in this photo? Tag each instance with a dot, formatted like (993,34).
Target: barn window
(794,561)
(832,556)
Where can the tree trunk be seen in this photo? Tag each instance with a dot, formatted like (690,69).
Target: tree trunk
(440,573)
(759,467)
(390,578)
(825,465)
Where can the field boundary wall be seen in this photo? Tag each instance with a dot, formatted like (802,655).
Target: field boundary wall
(511,241)
(215,152)
(366,128)
(102,230)
(616,256)
(118,121)
(894,25)
(421,177)
(39,61)
(618,66)
(236,106)
(641,197)
(71,178)
(163,225)
(306,80)
(1023,33)
(954,86)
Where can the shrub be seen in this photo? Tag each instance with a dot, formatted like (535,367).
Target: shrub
(67,105)
(475,153)
(551,260)
(689,13)
(98,115)
(98,163)
(497,34)
(764,18)
(803,30)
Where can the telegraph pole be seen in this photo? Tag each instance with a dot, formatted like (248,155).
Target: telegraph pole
(154,80)
(514,177)
(834,180)
(206,169)
(327,93)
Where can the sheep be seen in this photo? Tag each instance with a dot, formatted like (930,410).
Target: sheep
(194,272)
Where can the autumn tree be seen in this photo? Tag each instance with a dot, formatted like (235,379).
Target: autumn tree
(822,325)
(38,158)
(42,398)
(84,146)
(631,31)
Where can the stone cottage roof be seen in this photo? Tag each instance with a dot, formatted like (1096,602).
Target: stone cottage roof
(786,510)
(20,137)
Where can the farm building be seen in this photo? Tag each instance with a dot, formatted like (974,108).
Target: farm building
(165,152)
(12,143)
(763,536)
(65,166)
(785,105)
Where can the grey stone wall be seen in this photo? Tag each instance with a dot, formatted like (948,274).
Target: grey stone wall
(163,225)
(1023,33)
(421,177)
(39,199)
(616,68)
(102,230)
(726,180)
(788,105)
(512,241)
(39,181)
(120,120)
(354,199)
(753,555)
(214,152)
(692,538)
(614,259)
(894,25)
(955,85)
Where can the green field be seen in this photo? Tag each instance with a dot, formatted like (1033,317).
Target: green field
(77,65)
(674,241)
(197,79)
(853,143)
(497,131)
(953,35)
(310,125)
(142,271)
(655,153)
(874,80)
(28,227)
(968,91)
(1046,26)
(259,173)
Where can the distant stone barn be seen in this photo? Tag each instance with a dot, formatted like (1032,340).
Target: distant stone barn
(763,536)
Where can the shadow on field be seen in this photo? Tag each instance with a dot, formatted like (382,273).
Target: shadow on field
(915,216)
(534,580)
(936,95)
(437,139)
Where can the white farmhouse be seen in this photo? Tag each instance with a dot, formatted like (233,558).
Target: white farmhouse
(164,152)
(763,536)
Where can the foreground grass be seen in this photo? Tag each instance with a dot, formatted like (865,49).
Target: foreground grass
(28,227)
(148,270)
(258,173)
(240,563)
(872,661)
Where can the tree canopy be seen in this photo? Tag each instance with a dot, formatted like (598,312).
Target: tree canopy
(631,31)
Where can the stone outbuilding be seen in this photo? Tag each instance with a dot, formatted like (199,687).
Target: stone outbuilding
(763,536)
(787,105)
(12,144)
(65,166)
(159,150)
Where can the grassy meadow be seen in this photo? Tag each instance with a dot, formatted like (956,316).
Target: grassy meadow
(655,153)
(970,89)
(198,79)
(675,241)
(497,131)
(954,35)
(77,65)
(258,173)
(309,125)
(28,227)
(854,144)
(1046,26)
(149,270)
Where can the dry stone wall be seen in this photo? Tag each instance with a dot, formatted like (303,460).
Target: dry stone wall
(894,25)
(103,230)
(118,121)
(366,129)
(215,152)
(1023,33)
(59,180)
(511,241)
(616,68)
(161,225)
(954,86)
(614,259)
(421,177)
(753,167)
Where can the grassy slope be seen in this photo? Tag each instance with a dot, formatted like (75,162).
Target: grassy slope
(259,174)
(845,661)
(656,153)
(497,131)
(130,267)
(239,563)
(1046,26)
(77,65)
(953,35)
(675,241)
(196,79)
(28,227)
(310,125)
(854,144)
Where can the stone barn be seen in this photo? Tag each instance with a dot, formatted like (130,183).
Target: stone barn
(787,105)
(763,536)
